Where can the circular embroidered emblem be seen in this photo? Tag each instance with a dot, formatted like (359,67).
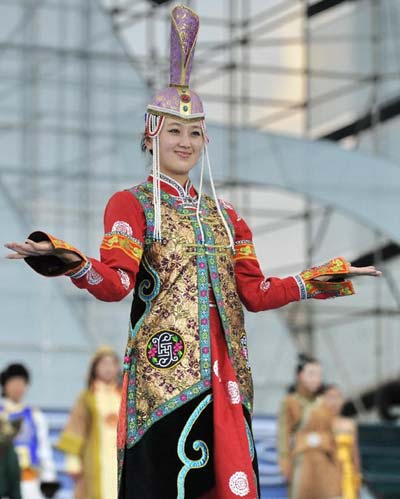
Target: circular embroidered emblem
(93,277)
(121,226)
(233,391)
(165,349)
(265,285)
(239,484)
(125,281)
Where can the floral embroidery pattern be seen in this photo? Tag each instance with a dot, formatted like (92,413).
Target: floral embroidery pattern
(333,267)
(165,349)
(60,244)
(239,484)
(130,246)
(244,250)
(321,289)
(265,285)
(124,278)
(233,392)
(122,228)
(93,277)
(326,289)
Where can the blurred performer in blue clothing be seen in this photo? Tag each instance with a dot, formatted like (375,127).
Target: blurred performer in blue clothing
(32,444)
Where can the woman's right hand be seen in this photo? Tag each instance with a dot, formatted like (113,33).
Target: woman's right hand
(31,248)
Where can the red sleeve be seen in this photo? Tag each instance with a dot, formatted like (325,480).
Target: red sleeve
(257,292)
(113,276)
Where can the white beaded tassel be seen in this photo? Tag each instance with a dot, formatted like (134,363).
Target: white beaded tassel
(205,153)
(153,128)
(199,199)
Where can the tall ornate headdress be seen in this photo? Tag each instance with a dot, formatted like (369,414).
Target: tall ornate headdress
(179,101)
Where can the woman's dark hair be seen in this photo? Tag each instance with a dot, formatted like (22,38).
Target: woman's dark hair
(143,147)
(302,361)
(13,371)
(93,366)
(143,143)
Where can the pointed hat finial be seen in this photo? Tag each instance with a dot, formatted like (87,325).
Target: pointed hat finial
(178,100)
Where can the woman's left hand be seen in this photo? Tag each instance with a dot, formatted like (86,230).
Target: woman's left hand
(368,271)
(353,272)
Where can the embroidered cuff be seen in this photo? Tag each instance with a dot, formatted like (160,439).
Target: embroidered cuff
(82,270)
(52,265)
(338,268)
(335,267)
(322,290)
(302,287)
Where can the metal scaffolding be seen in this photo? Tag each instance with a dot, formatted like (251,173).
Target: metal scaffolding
(236,50)
(75,78)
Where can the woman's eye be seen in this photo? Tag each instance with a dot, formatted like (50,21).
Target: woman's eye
(173,130)
(196,134)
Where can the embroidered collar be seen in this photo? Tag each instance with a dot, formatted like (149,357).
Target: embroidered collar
(174,188)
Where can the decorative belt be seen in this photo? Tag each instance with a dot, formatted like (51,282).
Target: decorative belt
(313,440)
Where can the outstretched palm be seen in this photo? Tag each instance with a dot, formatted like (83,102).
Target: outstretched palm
(31,248)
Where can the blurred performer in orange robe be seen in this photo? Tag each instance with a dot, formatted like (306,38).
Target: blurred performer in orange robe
(90,437)
(300,397)
(316,470)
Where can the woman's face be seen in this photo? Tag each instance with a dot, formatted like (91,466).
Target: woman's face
(180,147)
(107,369)
(311,377)
(15,388)
(334,400)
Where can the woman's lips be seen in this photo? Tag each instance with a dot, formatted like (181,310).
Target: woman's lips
(183,155)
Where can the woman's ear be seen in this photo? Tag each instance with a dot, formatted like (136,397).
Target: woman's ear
(148,142)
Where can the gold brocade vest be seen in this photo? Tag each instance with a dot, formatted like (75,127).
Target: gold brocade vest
(168,352)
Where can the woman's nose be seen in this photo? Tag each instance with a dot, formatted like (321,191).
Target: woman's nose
(184,140)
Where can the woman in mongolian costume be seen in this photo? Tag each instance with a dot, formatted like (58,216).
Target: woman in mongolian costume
(185,418)
(89,436)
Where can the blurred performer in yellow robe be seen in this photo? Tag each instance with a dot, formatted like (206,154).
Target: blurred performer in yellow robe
(345,431)
(90,436)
